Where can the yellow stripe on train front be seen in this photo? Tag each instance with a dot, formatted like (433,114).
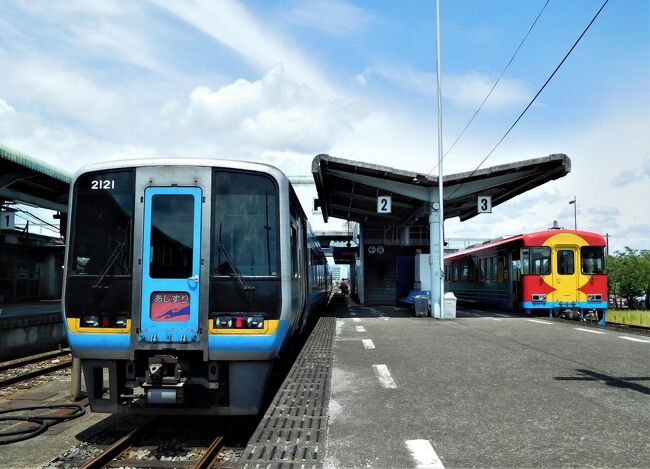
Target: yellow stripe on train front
(270,326)
(74,325)
(566,287)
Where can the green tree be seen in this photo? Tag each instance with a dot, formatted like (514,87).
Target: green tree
(629,273)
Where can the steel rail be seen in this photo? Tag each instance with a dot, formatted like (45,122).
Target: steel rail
(117,448)
(33,359)
(208,457)
(33,374)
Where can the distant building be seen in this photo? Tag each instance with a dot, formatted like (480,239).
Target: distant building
(336,273)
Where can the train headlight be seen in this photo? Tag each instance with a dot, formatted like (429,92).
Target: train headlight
(119,322)
(239,322)
(90,320)
(255,322)
(595,297)
(539,297)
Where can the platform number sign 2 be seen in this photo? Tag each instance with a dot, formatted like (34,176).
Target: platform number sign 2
(484,204)
(384,204)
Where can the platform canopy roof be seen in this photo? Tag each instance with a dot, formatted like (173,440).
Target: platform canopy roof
(27,180)
(349,189)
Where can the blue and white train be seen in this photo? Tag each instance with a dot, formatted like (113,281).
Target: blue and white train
(184,280)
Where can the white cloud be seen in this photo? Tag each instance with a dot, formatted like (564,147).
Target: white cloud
(466,90)
(271,116)
(57,89)
(631,176)
(470,89)
(228,22)
(332,17)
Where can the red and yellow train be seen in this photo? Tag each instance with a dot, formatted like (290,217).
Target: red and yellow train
(559,273)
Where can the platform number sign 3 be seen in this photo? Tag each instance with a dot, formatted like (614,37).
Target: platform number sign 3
(484,204)
(384,204)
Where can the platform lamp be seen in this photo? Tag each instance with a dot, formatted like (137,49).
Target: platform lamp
(575,212)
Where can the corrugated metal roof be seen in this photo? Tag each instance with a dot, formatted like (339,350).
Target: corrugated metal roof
(33,164)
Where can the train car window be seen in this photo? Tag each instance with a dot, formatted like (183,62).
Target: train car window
(455,271)
(472,268)
(245,222)
(481,269)
(525,261)
(540,261)
(516,270)
(565,262)
(592,260)
(294,251)
(501,269)
(172,232)
(490,268)
(102,224)
(464,269)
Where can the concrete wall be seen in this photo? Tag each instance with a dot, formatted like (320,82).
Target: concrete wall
(22,337)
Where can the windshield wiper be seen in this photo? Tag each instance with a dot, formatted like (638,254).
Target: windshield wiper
(234,270)
(113,257)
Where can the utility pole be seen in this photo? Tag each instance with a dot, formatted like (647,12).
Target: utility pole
(575,212)
(436,217)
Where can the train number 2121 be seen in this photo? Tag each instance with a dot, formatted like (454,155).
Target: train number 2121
(108,184)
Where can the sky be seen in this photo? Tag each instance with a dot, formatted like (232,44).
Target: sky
(280,82)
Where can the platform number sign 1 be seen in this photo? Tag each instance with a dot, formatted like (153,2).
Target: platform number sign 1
(7,220)
(384,204)
(484,204)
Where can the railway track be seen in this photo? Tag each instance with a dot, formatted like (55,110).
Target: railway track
(161,442)
(32,369)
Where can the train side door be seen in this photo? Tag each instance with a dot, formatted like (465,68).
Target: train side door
(515,279)
(565,278)
(171,264)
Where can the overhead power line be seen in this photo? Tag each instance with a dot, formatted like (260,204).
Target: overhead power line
(534,97)
(494,85)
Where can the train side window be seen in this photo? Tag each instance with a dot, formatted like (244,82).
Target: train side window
(481,269)
(565,262)
(592,260)
(472,268)
(525,261)
(540,261)
(455,269)
(501,269)
(294,251)
(464,269)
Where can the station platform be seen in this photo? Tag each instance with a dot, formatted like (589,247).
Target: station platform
(28,329)
(24,310)
(488,389)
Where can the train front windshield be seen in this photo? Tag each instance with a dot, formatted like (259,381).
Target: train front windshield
(102,224)
(245,224)
(592,260)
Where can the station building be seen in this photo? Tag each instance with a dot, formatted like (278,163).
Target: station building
(387,245)
(31,265)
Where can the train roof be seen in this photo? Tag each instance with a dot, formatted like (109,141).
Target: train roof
(537,238)
(178,161)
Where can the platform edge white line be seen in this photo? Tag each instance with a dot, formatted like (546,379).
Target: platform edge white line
(384,376)
(368,344)
(424,455)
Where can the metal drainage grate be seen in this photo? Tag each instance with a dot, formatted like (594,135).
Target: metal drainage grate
(291,433)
